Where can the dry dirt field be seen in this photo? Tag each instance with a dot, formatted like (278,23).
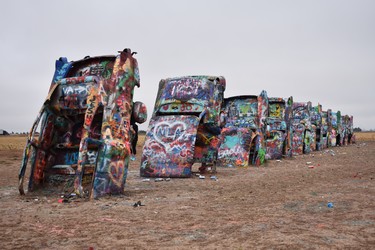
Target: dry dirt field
(281,205)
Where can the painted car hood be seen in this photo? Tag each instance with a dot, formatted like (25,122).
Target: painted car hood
(169,146)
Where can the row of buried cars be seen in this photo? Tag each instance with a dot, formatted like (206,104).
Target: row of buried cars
(192,122)
(81,140)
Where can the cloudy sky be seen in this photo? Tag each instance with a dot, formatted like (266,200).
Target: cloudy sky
(321,50)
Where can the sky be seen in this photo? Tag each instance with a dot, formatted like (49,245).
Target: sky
(321,51)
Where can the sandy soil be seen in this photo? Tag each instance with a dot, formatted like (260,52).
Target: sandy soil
(282,205)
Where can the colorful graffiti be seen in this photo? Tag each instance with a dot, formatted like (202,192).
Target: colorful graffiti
(85,126)
(184,126)
(316,127)
(235,147)
(324,130)
(88,126)
(278,131)
(335,129)
(350,131)
(242,138)
(301,128)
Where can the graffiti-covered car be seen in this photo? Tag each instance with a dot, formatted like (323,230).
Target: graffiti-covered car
(350,131)
(278,133)
(335,129)
(340,130)
(344,129)
(184,127)
(324,130)
(301,128)
(347,128)
(316,114)
(85,127)
(242,136)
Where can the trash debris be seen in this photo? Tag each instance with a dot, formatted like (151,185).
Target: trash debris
(357,175)
(330,151)
(278,160)
(146,180)
(308,163)
(158,179)
(202,177)
(105,207)
(138,204)
(63,200)
(330,205)
(361,145)
(213,177)
(167,179)
(311,166)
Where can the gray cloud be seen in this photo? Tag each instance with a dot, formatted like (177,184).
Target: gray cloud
(322,51)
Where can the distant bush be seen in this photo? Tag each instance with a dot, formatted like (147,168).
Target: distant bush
(357,129)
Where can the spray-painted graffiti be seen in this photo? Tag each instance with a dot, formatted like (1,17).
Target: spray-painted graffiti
(301,128)
(324,130)
(347,128)
(207,143)
(169,148)
(351,136)
(335,129)
(85,124)
(188,88)
(242,138)
(184,126)
(165,133)
(278,131)
(235,146)
(74,96)
(316,118)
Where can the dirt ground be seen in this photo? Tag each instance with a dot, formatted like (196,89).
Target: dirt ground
(282,205)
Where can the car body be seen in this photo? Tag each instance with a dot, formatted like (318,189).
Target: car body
(278,134)
(340,129)
(301,128)
(85,127)
(324,130)
(316,116)
(335,129)
(184,127)
(347,124)
(351,135)
(242,136)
